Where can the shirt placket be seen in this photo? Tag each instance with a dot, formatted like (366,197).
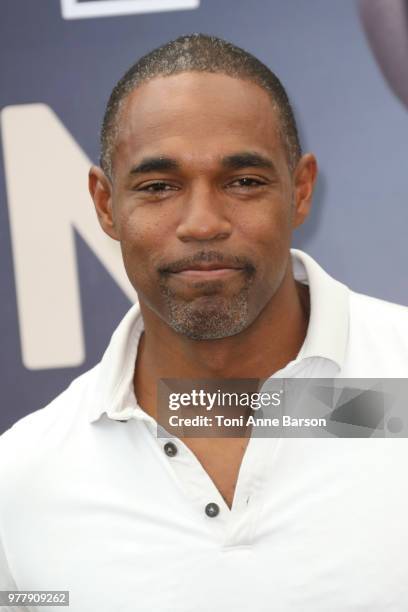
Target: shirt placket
(233,527)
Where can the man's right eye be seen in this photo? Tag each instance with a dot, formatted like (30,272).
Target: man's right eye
(156,187)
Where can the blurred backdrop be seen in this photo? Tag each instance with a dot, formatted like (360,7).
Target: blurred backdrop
(63,288)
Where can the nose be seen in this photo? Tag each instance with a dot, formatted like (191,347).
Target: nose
(204,216)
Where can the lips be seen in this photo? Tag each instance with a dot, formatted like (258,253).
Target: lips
(208,265)
(204,266)
(206,273)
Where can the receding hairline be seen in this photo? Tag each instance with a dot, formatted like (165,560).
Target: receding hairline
(199,53)
(118,121)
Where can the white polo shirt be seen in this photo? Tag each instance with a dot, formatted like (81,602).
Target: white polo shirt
(91,503)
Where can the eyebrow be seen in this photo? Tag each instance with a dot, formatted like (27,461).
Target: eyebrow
(237,161)
(155,164)
(247,159)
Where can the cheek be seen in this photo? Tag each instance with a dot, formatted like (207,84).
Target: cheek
(268,237)
(269,228)
(141,240)
(140,232)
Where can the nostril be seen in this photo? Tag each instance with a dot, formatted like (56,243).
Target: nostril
(204,228)
(203,235)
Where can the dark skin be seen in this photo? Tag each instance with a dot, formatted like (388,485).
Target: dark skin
(201,174)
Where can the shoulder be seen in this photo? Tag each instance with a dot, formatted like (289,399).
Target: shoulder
(40,434)
(378,313)
(378,337)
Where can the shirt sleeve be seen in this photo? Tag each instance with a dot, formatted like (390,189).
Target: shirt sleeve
(6,580)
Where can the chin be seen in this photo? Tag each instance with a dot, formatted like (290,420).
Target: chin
(209,323)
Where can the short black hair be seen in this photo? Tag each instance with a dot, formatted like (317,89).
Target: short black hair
(199,53)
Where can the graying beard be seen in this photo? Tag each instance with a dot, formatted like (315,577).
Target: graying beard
(207,324)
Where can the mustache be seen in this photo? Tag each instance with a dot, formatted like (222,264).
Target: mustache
(209,257)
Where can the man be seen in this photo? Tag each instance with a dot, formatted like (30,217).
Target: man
(202,181)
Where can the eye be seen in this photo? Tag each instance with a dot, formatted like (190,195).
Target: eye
(247,182)
(156,187)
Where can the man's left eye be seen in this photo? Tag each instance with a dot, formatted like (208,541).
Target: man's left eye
(246,181)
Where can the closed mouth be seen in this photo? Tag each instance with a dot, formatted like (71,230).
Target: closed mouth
(206,272)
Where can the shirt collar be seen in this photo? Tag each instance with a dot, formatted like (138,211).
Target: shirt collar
(326,337)
(327,332)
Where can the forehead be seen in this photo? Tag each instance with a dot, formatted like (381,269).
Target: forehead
(196,117)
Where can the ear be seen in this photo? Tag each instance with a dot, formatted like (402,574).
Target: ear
(305,175)
(100,189)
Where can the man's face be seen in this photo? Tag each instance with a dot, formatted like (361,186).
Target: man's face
(201,180)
